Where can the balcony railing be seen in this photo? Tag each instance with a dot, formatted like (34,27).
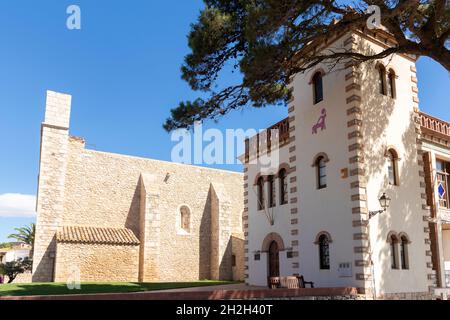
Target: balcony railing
(435,126)
(282,130)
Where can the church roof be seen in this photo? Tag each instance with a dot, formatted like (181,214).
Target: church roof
(91,235)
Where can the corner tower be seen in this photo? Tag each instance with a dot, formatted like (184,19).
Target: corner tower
(359,133)
(52,172)
(352,134)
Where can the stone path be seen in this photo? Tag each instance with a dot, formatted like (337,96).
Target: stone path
(238,286)
(224,292)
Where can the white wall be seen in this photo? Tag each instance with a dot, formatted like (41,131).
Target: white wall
(389,122)
(15,255)
(259,226)
(386,122)
(327,209)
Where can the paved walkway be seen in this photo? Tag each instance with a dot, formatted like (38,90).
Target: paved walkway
(224,292)
(238,286)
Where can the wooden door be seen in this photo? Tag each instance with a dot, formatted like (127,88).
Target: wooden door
(274,260)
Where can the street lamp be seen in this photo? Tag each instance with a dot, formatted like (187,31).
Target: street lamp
(385,202)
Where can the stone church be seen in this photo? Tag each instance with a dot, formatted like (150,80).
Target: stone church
(111,217)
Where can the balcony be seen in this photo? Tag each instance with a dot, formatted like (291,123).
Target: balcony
(434,126)
(262,142)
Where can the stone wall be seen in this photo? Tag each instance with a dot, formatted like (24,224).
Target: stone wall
(408,296)
(104,189)
(150,230)
(81,187)
(96,263)
(25,277)
(238,245)
(50,197)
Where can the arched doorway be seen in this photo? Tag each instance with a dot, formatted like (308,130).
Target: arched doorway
(274,259)
(273,244)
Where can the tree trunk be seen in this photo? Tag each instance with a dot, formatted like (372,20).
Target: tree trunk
(444,59)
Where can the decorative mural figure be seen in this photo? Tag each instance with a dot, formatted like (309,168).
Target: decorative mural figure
(321,123)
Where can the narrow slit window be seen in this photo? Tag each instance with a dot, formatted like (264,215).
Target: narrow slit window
(321,173)
(392,168)
(392,89)
(318,87)
(283,187)
(324,252)
(404,253)
(382,79)
(260,187)
(271,191)
(393,252)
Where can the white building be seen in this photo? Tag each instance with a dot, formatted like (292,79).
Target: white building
(353,133)
(19,251)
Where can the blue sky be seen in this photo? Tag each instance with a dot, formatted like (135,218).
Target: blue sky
(123,70)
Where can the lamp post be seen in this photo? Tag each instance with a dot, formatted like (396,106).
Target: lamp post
(385,202)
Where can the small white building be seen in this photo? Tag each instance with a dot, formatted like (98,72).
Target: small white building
(17,252)
(313,187)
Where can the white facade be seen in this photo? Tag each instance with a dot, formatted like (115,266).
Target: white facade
(261,218)
(15,255)
(362,127)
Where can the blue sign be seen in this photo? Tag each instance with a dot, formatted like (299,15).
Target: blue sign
(441,191)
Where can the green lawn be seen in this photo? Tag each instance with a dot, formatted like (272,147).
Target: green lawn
(35,289)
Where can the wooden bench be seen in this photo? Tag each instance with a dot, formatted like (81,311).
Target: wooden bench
(293,282)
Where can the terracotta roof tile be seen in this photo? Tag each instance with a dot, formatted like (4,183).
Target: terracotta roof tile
(78,234)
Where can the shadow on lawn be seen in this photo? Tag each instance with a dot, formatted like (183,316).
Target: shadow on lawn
(35,289)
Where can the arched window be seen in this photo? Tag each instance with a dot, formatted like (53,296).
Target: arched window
(393,241)
(261,205)
(282,175)
(391,82)
(324,252)
(321,172)
(404,252)
(392,167)
(442,182)
(185,218)
(317,87)
(382,79)
(271,191)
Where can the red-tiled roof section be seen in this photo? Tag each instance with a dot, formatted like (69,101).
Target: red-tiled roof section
(78,234)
